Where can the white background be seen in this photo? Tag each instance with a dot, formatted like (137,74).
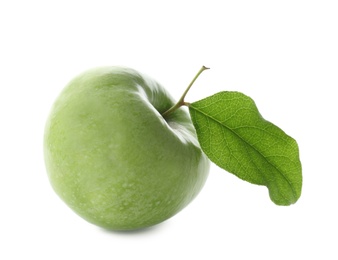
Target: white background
(284,54)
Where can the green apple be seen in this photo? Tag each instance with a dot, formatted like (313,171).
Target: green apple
(113,158)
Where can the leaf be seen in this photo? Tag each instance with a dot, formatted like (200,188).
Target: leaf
(234,135)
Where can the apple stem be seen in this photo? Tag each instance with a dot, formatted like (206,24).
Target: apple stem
(181,101)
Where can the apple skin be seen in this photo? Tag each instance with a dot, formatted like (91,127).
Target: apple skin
(112,157)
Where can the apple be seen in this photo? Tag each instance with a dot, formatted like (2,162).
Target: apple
(113,158)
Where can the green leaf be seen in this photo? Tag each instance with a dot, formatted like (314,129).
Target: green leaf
(234,135)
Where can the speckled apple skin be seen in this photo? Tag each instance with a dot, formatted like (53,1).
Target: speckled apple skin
(113,158)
